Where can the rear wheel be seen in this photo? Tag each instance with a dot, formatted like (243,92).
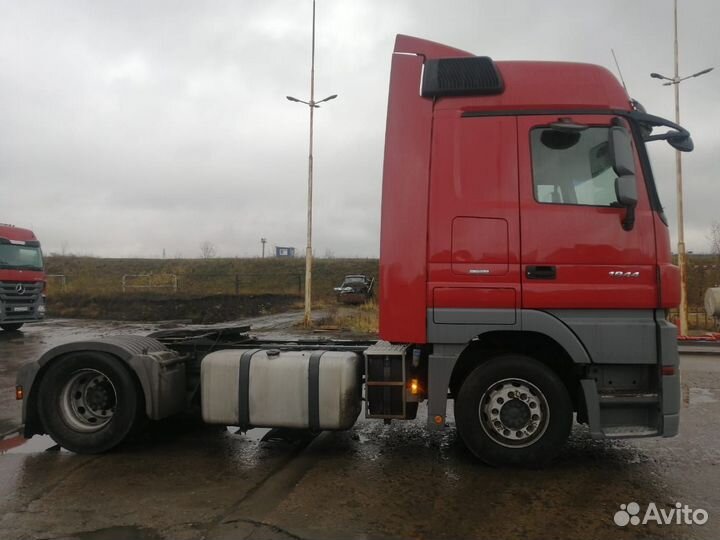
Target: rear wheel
(89,402)
(513,410)
(11,327)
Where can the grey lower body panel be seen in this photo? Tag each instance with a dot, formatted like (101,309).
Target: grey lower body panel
(670,384)
(617,336)
(497,320)
(440,367)
(25,378)
(625,393)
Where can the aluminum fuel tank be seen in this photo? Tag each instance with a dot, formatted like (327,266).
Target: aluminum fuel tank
(319,390)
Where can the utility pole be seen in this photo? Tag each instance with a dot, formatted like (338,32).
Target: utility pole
(682,255)
(263,241)
(312,104)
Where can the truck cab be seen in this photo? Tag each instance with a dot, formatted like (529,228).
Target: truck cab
(521,227)
(22,278)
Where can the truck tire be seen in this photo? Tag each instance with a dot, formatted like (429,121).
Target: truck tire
(11,327)
(513,410)
(89,402)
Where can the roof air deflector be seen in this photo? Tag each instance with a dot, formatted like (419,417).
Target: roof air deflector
(471,76)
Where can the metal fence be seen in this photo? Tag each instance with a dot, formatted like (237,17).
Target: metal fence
(234,283)
(149,281)
(698,319)
(57,280)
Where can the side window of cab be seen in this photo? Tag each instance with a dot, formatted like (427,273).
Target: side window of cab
(573,167)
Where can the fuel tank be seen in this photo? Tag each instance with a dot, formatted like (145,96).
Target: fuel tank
(319,390)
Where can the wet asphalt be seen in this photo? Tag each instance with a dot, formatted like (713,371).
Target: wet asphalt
(183,480)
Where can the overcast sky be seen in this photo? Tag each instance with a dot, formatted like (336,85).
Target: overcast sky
(129,127)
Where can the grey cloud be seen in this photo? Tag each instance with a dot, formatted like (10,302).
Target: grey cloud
(136,126)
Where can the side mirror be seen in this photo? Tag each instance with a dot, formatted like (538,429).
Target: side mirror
(681,142)
(621,153)
(626,193)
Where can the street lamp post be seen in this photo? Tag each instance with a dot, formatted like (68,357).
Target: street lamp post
(682,257)
(312,105)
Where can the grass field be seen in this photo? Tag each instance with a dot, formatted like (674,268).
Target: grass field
(93,276)
(182,288)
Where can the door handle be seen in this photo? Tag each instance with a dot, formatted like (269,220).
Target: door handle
(540,272)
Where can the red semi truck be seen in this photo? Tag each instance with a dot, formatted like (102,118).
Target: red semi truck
(525,271)
(22,278)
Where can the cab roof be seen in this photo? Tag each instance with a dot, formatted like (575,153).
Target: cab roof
(455,78)
(10,232)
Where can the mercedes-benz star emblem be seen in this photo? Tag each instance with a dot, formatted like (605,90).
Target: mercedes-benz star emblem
(19,288)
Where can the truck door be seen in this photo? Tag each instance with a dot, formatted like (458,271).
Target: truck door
(578,247)
(473,232)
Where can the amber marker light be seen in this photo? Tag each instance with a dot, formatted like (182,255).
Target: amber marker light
(414,387)
(438,419)
(19,392)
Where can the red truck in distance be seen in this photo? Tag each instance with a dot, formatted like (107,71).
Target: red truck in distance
(525,274)
(22,278)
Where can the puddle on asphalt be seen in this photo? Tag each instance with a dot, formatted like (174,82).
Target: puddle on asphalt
(17,444)
(702,395)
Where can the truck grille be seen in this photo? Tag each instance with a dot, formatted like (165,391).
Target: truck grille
(11,298)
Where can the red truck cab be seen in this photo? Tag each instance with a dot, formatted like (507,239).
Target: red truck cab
(22,278)
(522,232)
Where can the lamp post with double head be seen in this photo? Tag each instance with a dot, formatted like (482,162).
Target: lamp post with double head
(682,257)
(312,105)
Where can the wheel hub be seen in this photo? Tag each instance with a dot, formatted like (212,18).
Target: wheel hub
(87,400)
(99,396)
(514,413)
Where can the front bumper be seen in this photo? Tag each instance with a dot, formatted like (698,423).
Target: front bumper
(13,311)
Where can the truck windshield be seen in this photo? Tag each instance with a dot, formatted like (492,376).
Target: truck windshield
(14,257)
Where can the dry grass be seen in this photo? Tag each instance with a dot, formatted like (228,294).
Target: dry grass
(201,277)
(93,286)
(362,319)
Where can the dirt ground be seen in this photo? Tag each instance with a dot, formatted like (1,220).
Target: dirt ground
(182,480)
(193,309)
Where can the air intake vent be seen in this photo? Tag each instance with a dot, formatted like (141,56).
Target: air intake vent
(472,76)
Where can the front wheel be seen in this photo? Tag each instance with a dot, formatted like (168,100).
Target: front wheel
(513,410)
(89,402)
